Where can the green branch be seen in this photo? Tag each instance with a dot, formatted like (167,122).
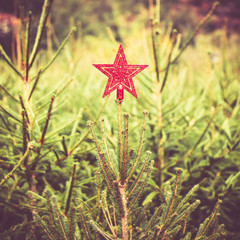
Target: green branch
(16,166)
(59,49)
(9,62)
(200,24)
(42,23)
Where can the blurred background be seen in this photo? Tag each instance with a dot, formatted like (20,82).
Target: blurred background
(93,17)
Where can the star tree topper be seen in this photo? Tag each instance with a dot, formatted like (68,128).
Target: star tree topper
(120,75)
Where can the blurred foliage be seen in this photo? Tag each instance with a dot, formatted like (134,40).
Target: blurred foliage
(199,112)
(93,17)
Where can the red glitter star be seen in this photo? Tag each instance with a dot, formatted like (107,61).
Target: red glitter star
(120,75)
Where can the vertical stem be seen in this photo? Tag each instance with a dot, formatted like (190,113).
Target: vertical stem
(23,34)
(26,91)
(122,187)
(49,38)
(18,47)
(154,34)
(151,14)
(25,66)
(13,47)
(154,50)
(124,217)
(158,7)
(24,108)
(224,51)
(125,150)
(160,148)
(28,47)
(119,103)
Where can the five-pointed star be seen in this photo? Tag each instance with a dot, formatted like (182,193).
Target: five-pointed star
(120,75)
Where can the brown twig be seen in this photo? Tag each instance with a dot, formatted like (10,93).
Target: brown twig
(24,108)
(70,190)
(34,85)
(47,121)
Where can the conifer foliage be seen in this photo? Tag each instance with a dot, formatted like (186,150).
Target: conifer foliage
(118,213)
(58,225)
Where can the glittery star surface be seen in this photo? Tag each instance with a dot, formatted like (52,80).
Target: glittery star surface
(120,75)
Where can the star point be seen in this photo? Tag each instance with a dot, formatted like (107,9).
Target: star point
(120,75)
